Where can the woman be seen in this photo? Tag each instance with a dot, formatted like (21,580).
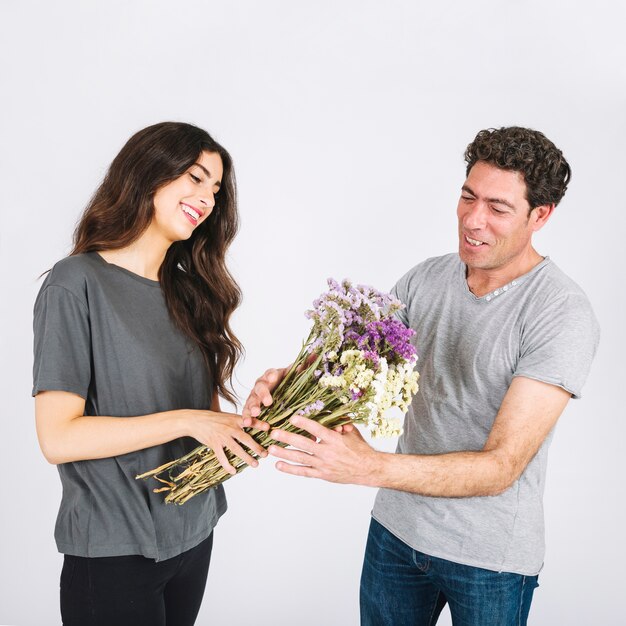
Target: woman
(132,348)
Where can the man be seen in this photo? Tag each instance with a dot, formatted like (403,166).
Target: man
(504,339)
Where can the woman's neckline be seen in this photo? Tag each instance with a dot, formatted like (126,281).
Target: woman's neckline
(123,270)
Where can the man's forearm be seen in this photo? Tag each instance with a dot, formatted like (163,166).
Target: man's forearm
(451,475)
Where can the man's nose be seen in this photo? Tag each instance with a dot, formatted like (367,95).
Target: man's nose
(476,216)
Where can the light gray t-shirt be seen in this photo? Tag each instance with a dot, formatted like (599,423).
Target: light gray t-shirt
(539,326)
(105,334)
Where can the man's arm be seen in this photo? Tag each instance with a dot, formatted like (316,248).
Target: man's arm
(528,413)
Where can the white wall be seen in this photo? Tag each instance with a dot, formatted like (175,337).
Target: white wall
(347,122)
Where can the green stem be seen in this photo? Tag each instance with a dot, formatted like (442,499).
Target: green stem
(200,470)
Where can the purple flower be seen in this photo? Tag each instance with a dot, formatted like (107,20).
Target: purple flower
(388,338)
(310,409)
(348,317)
(372,356)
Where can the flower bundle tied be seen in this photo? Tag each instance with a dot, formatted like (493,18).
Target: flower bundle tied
(357,364)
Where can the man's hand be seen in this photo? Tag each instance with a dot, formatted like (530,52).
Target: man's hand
(528,413)
(338,456)
(261,396)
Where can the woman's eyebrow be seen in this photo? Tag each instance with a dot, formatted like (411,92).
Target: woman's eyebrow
(204,169)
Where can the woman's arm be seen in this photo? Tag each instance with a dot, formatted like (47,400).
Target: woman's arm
(66,435)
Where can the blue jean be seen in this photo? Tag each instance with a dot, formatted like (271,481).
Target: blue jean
(401,587)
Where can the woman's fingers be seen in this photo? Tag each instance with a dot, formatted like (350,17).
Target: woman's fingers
(253,422)
(237,450)
(225,431)
(250,443)
(222,458)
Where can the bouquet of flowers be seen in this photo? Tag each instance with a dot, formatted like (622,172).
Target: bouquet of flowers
(356,364)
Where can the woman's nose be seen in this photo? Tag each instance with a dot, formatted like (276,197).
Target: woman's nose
(208,200)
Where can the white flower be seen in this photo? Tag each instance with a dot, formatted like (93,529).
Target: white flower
(388,428)
(328,380)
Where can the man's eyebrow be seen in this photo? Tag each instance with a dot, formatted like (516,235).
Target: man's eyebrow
(492,200)
(208,174)
(501,201)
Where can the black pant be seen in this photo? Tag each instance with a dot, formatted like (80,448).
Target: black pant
(133,590)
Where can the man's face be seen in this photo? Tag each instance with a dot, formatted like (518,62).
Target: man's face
(494,227)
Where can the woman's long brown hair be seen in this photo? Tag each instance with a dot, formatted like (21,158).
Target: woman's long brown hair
(199,291)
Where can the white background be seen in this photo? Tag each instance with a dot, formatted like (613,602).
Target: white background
(347,122)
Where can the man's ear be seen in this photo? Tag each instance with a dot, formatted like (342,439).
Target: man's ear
(540,215)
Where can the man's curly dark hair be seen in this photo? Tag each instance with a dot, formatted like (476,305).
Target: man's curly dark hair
(545,170)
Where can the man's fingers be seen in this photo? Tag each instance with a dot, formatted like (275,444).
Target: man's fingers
(344,429)
(298,470)
(311,426)
(261,390)
(261,393)
(271,378)
(292,439)
(271,375)
(292,455)
(252,408)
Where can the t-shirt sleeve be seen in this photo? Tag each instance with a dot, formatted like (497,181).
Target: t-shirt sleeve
(559,346)
(62,344)
(399,290)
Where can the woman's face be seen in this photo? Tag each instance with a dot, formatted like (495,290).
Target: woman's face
(188,200)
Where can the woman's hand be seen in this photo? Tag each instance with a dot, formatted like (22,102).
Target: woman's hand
(219,430)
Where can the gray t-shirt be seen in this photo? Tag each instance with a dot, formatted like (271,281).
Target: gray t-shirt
(539,326)
(105,334)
